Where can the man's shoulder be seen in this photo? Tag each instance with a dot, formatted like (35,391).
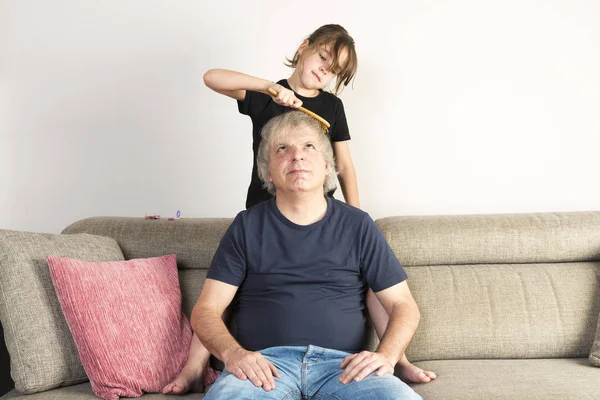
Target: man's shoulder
(349,212)
(256,211)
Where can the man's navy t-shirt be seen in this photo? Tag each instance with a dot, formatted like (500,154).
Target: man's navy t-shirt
(301,285)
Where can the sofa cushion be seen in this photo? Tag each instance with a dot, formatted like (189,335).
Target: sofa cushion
(127,322)
(194,240)
(493,239)
(595,353)
(541,379)
(505,311)
(83,391)
(42,352)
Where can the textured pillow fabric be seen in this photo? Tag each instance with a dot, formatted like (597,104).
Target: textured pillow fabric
(595,353)
(127,322)
(42,352)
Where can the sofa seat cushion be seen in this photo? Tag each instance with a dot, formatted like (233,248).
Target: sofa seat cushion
(548,379)
(530,379)
(83,391)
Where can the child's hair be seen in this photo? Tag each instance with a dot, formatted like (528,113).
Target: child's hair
(339,39)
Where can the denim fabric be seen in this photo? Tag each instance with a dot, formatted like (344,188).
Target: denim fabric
(310,372)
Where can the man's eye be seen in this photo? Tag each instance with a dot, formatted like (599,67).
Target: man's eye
(310,145)
(281,148)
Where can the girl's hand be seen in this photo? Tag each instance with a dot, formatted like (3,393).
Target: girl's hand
(285,97)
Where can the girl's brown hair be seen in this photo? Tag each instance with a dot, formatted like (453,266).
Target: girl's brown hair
(340,40)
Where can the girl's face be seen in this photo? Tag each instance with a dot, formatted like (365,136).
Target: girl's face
(315,66)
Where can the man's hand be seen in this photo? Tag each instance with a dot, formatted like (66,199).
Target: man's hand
(360,365)
(252,365)
(285,97)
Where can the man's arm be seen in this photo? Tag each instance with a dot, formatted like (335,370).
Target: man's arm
(206,321)
(405,370)
(404,320)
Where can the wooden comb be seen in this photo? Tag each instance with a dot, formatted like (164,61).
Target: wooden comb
(324,124)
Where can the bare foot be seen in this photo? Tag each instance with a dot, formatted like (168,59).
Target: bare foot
(412,374)
(189,379)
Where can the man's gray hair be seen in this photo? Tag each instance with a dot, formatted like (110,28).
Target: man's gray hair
(280,124)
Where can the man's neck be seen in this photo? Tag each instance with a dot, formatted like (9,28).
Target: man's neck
(302,208)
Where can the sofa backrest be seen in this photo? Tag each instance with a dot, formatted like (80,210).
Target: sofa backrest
(193,240)
(488,286)
(501,286)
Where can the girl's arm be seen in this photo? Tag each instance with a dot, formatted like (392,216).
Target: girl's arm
(347,173)
(235,84)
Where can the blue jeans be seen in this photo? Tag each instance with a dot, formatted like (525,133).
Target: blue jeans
(310,372)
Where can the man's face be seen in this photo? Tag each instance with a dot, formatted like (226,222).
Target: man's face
(296,162)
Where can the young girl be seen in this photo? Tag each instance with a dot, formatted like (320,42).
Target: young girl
(327,54)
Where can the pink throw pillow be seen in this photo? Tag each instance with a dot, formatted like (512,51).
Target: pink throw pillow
(126,320)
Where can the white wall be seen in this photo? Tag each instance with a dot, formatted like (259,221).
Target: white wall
(458,106)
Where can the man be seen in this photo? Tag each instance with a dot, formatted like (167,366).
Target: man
(300,265)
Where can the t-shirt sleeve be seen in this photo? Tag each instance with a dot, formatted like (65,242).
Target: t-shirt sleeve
(229,263)
(253,104)
(340,131)
(379,264)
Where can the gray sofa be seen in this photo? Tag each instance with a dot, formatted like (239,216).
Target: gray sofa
(509,303)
